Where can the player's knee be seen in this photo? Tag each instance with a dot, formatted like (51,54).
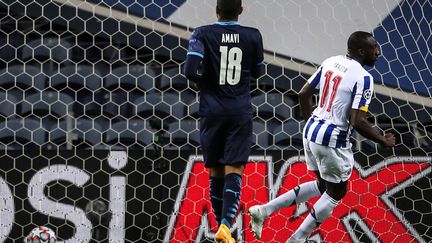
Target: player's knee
(336,195)
(234,168)
(321,185)
(340,194)
(218,172)
(337,191)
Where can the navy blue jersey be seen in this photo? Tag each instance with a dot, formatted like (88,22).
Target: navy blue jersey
(231,56)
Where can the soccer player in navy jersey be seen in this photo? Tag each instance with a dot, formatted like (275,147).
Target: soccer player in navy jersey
(222,59)
(345,91)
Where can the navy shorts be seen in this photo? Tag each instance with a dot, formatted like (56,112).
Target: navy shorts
(226,140)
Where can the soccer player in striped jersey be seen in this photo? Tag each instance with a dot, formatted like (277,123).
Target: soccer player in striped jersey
(222,59)
(345,91)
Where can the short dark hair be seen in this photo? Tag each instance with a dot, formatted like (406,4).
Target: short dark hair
(358,40)
(229,9)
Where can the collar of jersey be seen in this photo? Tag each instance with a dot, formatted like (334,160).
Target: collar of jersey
(228,23)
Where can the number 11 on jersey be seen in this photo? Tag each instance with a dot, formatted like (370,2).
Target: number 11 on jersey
(336,80)
(230,65)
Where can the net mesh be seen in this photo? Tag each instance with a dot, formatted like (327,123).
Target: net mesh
(97,120)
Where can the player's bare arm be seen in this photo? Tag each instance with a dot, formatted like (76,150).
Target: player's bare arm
(360,123)
(306,100)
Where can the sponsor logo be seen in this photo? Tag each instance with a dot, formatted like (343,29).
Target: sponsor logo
(367,203)
(78,177)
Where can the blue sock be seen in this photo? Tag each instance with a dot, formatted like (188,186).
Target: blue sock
(216,196)
(231,197)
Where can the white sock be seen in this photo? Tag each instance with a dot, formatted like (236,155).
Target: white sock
(321,210)
(300,194)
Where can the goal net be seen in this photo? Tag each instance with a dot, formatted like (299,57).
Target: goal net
(99,135)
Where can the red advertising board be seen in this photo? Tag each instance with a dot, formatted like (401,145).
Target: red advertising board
(367,202)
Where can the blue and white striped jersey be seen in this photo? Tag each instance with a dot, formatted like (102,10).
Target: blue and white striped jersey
(343,85)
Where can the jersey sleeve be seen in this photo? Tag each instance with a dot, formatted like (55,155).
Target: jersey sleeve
(314,80)
(362,93)
(260,50)
(196,46)
(258,68)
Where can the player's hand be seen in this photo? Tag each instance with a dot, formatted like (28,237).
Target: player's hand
(389,140)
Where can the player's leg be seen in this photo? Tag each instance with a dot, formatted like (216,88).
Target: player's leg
(321,210)
(337,191)
(238,132)
(231,192)
(231,201)
(217,182)
(212,145)
(238,141)
(297,195)
(335,171)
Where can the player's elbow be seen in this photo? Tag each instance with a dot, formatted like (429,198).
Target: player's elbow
(305,93)
(358,122)
(302,94)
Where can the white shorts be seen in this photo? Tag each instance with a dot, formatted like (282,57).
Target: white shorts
(334,164)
